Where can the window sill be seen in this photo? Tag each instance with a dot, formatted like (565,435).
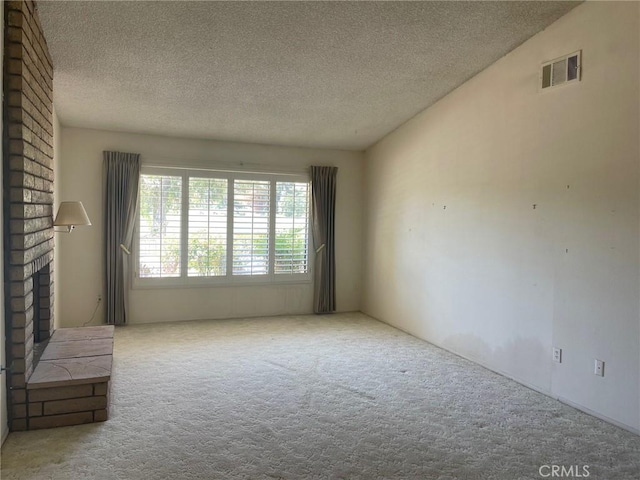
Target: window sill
(181,284)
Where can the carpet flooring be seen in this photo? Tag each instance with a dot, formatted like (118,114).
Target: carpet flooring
(333,397)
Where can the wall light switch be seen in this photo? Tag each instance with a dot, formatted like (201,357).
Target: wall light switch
(599,368)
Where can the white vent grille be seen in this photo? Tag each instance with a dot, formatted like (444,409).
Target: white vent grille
(560,71)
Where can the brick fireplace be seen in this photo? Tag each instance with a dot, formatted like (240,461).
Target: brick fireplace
(28,205)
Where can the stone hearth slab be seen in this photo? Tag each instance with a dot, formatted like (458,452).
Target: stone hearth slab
(82,333)
(77,349)
(71,371)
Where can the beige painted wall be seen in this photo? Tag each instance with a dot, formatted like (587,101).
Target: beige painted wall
(80,267)
(457,254)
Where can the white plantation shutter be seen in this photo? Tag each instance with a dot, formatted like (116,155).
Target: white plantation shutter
(207,227)
(160,226)
(219,227)
(292,228)
(251,216)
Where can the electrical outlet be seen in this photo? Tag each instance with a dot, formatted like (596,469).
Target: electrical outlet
(99,298)
(557,354)
(599,368)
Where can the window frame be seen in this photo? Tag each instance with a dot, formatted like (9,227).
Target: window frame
(228,280)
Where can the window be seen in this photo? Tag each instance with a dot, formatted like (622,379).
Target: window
(217,227)
(251,218)
(207,244)
(160,225)
(292,227)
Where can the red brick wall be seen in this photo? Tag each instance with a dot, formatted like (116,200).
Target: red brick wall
(28,189)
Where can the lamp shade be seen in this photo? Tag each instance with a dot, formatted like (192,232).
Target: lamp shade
(71,214)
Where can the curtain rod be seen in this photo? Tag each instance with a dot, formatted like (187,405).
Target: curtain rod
(235,167)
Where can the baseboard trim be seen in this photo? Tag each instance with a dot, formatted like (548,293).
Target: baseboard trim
(544,392)
(588,411)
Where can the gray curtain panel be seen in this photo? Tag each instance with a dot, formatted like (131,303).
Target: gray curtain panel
(323,204)
(121,172)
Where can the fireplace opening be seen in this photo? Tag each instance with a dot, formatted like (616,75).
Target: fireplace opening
(41,311)
(36,310)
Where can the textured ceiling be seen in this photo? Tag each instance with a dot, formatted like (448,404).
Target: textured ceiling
(317,74)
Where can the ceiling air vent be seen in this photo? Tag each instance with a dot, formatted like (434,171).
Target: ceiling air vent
(562,70)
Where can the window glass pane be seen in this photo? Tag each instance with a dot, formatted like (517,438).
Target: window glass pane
(160,211)
(207,227)
(292,228)
(251,227)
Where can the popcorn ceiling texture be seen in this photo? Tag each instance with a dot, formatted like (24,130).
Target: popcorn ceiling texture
(340,396)
(315,74)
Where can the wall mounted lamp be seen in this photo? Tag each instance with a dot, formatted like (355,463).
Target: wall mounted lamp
(71,214)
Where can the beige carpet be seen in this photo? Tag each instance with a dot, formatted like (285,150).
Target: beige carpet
(341,396)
